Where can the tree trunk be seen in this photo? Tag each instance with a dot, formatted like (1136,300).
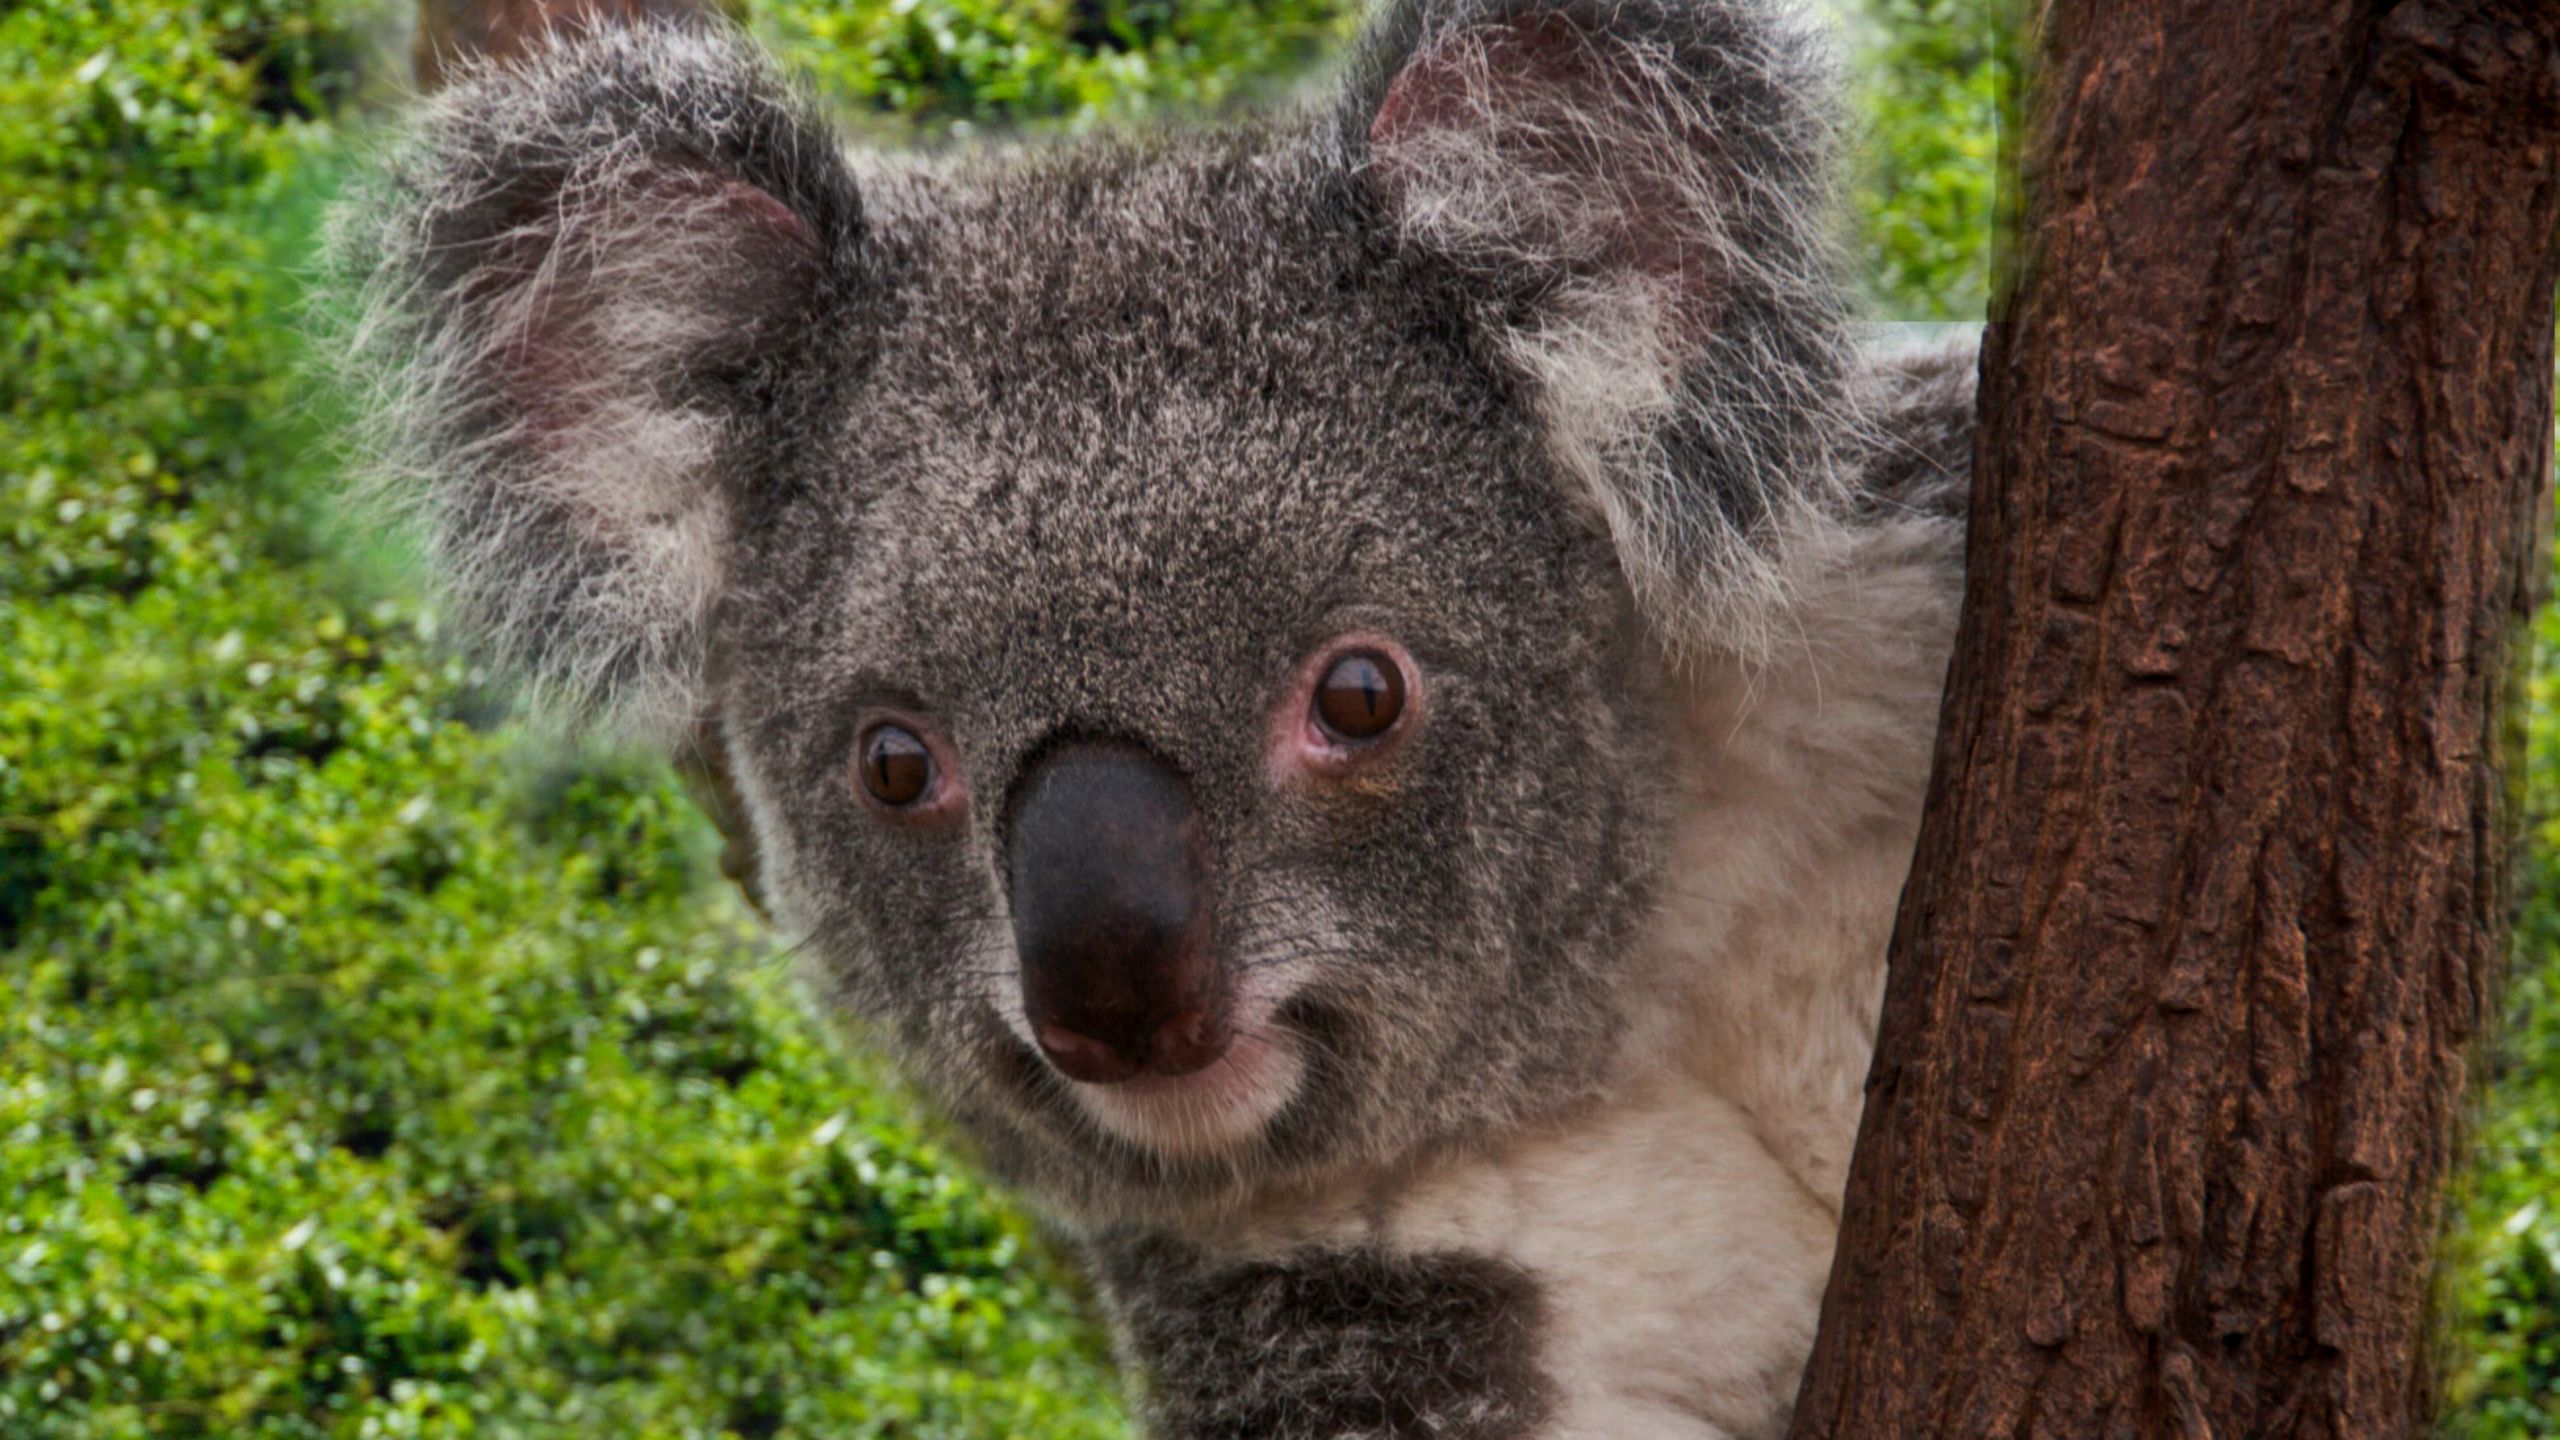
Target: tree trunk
(2196,946)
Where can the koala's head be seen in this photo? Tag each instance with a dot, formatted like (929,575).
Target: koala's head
(1190,617)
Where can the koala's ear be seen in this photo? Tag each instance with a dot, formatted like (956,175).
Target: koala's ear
(1636,191)
(575,289)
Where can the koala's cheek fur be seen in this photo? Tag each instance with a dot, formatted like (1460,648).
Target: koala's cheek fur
(1432,946)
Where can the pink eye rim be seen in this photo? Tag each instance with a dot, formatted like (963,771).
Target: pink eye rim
(919,753)
(1304,745)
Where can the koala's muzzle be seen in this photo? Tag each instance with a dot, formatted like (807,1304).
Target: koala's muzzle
(1111,916)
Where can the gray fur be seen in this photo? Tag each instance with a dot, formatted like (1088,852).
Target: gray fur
(1332,1345)
(709,423)
(1920,406)
(1654,214)
(568,325)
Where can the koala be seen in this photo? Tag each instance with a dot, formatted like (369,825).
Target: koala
(1349,694)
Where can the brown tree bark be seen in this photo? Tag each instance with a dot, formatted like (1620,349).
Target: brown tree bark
(452,30)
(2209,891)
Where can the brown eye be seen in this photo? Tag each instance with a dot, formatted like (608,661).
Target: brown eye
(1360,696)
(896,767)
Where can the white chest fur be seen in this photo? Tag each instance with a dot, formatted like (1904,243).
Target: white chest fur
(1681,1264)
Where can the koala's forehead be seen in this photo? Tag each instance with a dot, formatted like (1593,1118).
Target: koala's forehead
(1180,397)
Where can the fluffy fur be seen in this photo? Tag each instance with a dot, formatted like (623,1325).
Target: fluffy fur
(1644,191)
(565,305)
(1524,350)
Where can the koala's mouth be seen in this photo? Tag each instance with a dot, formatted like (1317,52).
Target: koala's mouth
(1219,1107)
(1130,986)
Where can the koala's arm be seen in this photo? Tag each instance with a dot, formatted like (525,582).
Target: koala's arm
(1331,1343)
(1921,405)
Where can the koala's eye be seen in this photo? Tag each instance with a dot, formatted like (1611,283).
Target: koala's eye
(1349,707)
(897,768)
(1359,696)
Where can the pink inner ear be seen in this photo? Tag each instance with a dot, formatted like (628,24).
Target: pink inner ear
(751,218)
(728,250)
(1459,79)
(1572,114)
(756,209)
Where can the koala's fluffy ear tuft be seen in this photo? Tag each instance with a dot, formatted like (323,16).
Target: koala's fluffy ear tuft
(1637,191)
(574,286)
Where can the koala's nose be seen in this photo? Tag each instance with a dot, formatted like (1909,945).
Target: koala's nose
(1111,918)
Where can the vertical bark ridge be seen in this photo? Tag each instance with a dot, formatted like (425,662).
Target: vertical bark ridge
(2196,943)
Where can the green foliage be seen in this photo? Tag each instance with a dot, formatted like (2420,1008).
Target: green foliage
(955,65)
(1924,188)
(365,1072)
(2504,1281)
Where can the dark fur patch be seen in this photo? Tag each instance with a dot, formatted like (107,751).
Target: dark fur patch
(1923,414)
(1330,1345)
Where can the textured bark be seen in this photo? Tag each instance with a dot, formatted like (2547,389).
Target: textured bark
(2196,945)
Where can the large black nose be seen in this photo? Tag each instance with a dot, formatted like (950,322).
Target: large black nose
(1111,919)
